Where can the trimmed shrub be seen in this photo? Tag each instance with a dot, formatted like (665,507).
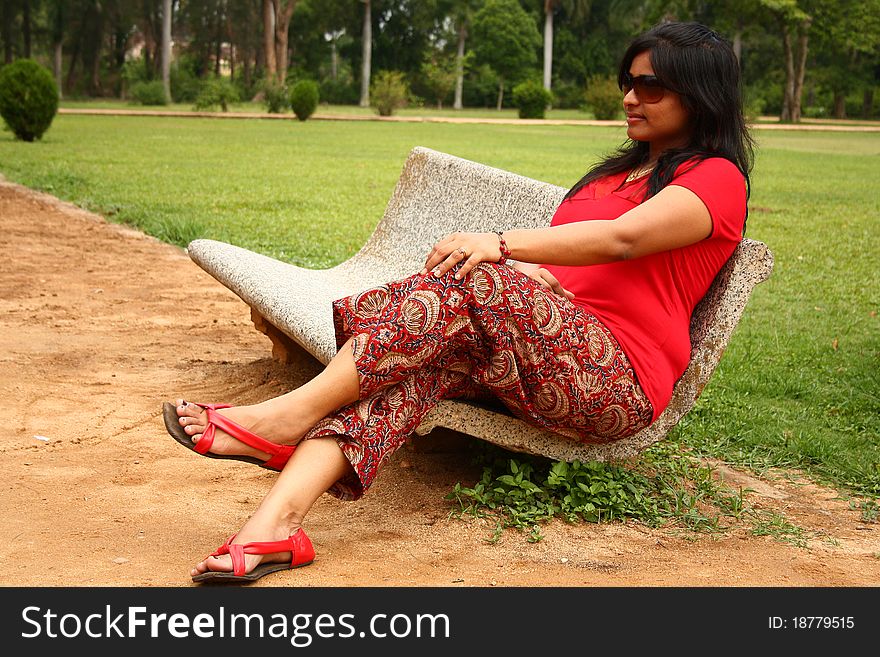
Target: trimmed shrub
(304,98)
(149,93)
(275,97)
(217,92)
(532,99)
(603,97)
(388,92)
(28,98)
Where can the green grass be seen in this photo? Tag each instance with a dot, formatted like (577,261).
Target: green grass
(799,385)
(334,110)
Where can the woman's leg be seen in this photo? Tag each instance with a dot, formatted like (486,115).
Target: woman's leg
(284,419)
(315,466)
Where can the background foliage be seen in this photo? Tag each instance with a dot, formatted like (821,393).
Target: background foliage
(102,48)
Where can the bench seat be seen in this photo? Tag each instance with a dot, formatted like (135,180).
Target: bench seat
(439,194)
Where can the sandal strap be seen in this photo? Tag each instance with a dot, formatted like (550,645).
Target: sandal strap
(298,544)
(240,433)
(203,446)
(212,407)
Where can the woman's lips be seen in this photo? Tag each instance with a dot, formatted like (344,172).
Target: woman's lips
(634,119)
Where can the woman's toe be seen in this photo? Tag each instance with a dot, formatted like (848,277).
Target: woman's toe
(189,410)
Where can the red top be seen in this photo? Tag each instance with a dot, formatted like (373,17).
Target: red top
(647,302)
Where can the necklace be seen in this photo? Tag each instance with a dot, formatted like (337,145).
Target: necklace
(638,172)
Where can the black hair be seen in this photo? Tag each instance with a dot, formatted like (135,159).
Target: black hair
(702,67)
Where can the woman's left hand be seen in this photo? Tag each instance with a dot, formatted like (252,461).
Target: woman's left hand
(469,249)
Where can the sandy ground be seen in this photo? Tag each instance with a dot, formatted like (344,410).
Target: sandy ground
(100,324)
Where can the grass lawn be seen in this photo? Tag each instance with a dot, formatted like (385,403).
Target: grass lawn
(334,110)
(799,384)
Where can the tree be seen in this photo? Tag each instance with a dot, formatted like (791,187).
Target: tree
(847,37)
(56,30)
(505,38)
(440,75)
(576,9)
(276,26)
(166,48)
(794,24)
(462,14)
(367,53)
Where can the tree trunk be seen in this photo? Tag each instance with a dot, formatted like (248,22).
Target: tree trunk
(246,66)
(801,69)
(738,42)
(74,56)
(56,30)
(166,48)
(867,103)
(459,66)
(548,45)
(56,66)
(26,27)
(269,40)
(95,80)
(839,111)
(7,32)
(500,93)
(283,14)
(788,85)
(366,51)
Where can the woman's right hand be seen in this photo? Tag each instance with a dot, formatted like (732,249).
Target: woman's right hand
(544,277)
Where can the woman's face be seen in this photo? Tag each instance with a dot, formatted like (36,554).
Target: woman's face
(664,124)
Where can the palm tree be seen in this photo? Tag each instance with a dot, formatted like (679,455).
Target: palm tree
(462,13)
(574,9)
(166,49)
(367,53)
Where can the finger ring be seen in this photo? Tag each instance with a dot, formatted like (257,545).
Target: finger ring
(462,251)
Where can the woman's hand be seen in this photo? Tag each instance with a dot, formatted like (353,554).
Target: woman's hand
(544,277)
(469,249)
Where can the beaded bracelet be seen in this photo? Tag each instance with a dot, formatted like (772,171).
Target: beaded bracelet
(505,251)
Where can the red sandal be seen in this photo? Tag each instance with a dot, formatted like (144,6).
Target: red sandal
(298,544)
(280,453)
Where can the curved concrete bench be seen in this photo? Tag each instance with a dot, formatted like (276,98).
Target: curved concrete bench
(438,194)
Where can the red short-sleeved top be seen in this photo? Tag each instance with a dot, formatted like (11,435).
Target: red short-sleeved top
(647,302)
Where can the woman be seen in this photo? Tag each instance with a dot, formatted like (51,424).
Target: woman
(581,327)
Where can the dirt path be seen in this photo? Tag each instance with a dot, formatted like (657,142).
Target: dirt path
(100,324)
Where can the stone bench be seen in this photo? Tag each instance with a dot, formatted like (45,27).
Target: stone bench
(438,194)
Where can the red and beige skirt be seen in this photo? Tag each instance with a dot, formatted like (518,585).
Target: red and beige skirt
(495,333)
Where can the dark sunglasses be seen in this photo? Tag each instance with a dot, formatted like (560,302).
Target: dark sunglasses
(648,88)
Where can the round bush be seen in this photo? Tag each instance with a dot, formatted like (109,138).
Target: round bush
(304,98)
(389,92)
(603,97)
(149,93)
(532,99)
(217,91)
(28,98)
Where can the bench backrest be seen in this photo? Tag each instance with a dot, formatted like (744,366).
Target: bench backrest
(438,194)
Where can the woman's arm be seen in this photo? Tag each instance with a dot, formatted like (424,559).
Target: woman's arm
(673,218)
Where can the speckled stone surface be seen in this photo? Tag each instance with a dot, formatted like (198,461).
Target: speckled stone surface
(438,194)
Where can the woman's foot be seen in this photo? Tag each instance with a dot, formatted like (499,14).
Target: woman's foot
(261,529)
(270,424)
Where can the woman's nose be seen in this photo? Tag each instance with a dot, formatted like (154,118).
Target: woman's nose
(630,98)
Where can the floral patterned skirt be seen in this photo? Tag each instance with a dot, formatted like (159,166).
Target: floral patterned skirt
(496,332)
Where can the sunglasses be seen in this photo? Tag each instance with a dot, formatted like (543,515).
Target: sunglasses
(648,88)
